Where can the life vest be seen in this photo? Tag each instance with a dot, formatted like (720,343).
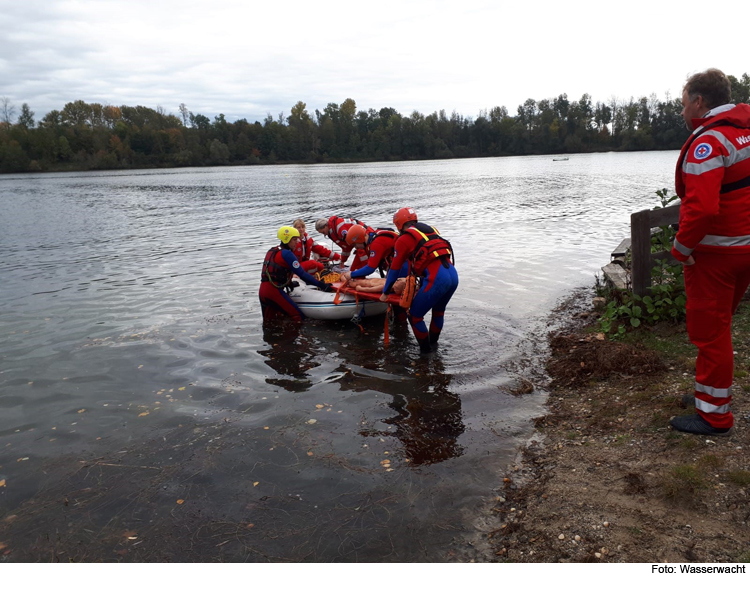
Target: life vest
(380,234)
(279,276)
(430,246)
(303,248)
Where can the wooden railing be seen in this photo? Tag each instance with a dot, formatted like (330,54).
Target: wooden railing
(643,260)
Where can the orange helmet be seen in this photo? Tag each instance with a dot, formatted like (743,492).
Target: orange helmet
(356,234)
(403,215)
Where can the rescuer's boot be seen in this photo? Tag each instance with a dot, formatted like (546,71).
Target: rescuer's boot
(698,425)
(424,346)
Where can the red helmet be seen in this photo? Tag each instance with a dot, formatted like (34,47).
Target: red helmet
(403,215)
(356,234)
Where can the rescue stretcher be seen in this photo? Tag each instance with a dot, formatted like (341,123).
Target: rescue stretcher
(344,303)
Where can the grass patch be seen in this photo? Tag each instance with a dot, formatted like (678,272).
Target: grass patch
(688,443)
(622,439)
(710,462)
(741,318)
(659,419)
(635,531)
(672,343)
(740,477)
(646,395)
(682,482)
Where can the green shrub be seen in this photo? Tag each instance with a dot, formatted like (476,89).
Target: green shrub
(666,300)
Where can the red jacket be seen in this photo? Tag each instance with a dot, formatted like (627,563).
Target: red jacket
(338,227)
(713,180)
(305,247)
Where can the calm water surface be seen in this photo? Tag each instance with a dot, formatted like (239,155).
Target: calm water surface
(134,367)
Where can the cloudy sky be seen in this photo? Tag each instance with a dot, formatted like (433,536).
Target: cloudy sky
(248,58)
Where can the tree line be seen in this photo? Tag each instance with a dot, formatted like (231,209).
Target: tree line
(87,136)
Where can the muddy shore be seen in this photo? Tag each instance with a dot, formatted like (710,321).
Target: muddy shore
(608,480)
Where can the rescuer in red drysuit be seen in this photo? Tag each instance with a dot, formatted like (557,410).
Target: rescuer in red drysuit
(336,228)
(279,266)
(306,248)
(430,257)
(379,243)
(379,246)
(713,240)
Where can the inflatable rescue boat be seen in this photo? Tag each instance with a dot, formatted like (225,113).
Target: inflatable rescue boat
(336,305)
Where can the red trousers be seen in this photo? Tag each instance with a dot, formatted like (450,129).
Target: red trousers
(714,286)
(274,302)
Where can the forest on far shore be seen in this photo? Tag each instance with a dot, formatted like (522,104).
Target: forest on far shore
(88,136)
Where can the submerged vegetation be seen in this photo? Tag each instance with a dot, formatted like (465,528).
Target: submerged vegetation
(85,136)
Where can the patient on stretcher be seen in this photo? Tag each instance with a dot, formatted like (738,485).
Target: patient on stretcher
(375,285)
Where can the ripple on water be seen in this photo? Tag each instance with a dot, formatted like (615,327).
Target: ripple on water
(140,288)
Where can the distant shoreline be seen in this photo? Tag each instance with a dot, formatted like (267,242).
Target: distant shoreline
(85,136)
(60,169)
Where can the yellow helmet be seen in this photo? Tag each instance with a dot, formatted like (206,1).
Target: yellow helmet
(286,233)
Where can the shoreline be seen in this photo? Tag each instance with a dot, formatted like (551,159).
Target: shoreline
(327,161)
(609,480)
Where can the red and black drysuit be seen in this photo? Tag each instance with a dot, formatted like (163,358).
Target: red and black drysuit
(713,180)
(337,228)
(380,244)
(430,257)
(279,266)
(306,247)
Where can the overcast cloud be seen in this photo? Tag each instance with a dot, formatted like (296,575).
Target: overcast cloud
(246,59)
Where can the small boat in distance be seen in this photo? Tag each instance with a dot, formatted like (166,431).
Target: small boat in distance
(560,159)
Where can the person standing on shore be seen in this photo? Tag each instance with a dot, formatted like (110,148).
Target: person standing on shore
(713,241)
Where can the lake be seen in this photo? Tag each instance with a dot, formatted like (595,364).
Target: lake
(146,415)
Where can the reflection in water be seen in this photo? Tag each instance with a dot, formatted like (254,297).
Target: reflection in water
(290,354)
(91,263)
(428,421)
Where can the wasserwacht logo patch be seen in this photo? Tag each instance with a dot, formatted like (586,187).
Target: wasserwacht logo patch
(702,151)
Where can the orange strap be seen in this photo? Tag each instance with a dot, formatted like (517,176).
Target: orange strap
(337,299)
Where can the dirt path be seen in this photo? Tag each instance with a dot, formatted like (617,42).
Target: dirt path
(610,481)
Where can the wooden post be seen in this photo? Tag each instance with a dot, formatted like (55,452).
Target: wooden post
(641,223)
(640,247)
